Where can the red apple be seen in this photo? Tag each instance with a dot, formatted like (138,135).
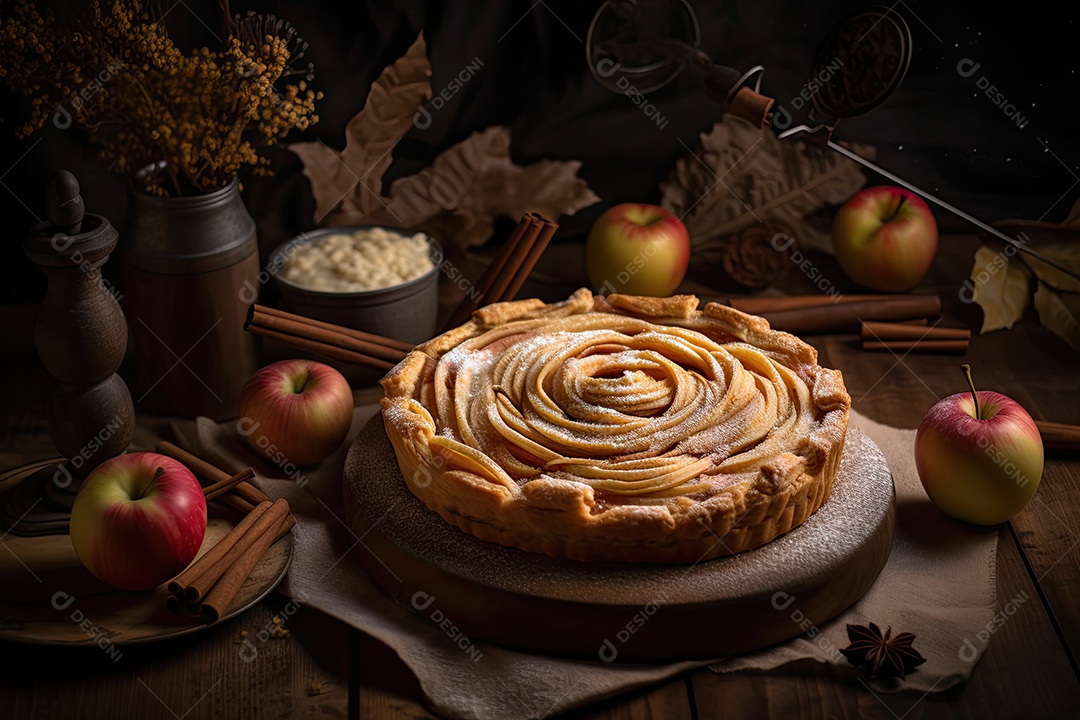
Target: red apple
(885,238)
(979,456)
(138,520)
(637,249)
(296,412)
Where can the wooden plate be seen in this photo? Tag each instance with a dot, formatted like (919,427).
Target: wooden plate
(478,590)
(47,596)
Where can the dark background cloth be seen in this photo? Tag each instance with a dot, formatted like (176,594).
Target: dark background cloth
(939,130)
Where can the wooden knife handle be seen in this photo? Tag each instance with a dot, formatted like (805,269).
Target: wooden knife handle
(752,107)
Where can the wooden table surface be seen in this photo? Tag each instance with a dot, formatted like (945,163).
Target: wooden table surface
(324,670)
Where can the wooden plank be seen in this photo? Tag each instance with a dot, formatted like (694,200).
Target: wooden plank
(213,674)
(1024,673)
(669,701)
(378,704)
(1049,532)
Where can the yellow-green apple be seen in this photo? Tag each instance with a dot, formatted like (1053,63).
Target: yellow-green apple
(979,456)
(295,412)
(637,249)
(138,520)
(885,238)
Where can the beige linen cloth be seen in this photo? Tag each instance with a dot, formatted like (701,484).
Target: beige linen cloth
(938,583)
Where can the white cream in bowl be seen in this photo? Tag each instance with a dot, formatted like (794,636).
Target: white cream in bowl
(365,259)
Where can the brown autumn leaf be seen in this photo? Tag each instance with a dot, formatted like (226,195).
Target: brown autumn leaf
(1059,242)
(351,181)
(741,175)
(1060,313)
(1001,288)
(1006,271)
(457,198)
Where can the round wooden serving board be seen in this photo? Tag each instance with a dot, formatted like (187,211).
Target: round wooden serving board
(623,611)
(48,597)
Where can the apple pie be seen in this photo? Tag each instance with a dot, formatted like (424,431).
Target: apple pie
(618,428)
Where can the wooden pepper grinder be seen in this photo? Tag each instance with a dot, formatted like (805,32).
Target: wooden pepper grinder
(81,336)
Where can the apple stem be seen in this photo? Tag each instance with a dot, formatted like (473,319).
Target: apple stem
(974,395)
(157,476)
(299,387)
(897,210)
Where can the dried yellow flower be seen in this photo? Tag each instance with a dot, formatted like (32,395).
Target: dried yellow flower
(109,67)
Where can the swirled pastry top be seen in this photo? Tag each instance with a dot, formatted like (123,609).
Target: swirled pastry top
(618,428)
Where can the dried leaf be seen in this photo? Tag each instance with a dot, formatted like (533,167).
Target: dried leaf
(457,198)
(1058,242)
(741,175)
(1073,219)
(459,195)
(1001,288)
(1063,250)
(1059,312)
(352,179)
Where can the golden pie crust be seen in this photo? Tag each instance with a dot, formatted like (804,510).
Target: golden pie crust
(618,428)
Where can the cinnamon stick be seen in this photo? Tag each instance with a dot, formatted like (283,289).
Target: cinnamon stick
(178,606)
(179,584)
(902,331)
(759,305)
(174,605)
(223,486)
(514,263)
(507,259)
(1059,436)
(211,474)
(843,317)
(238,503)
(334,352)
(225,589)
(495,284)
(951,346)
(340,329)
(547,231)
(295,325)
(264,523)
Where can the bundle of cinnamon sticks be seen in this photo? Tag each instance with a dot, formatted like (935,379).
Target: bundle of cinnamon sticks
(510,268)
(884,322)
(210,584)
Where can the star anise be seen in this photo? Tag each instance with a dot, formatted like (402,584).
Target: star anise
(880,655)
